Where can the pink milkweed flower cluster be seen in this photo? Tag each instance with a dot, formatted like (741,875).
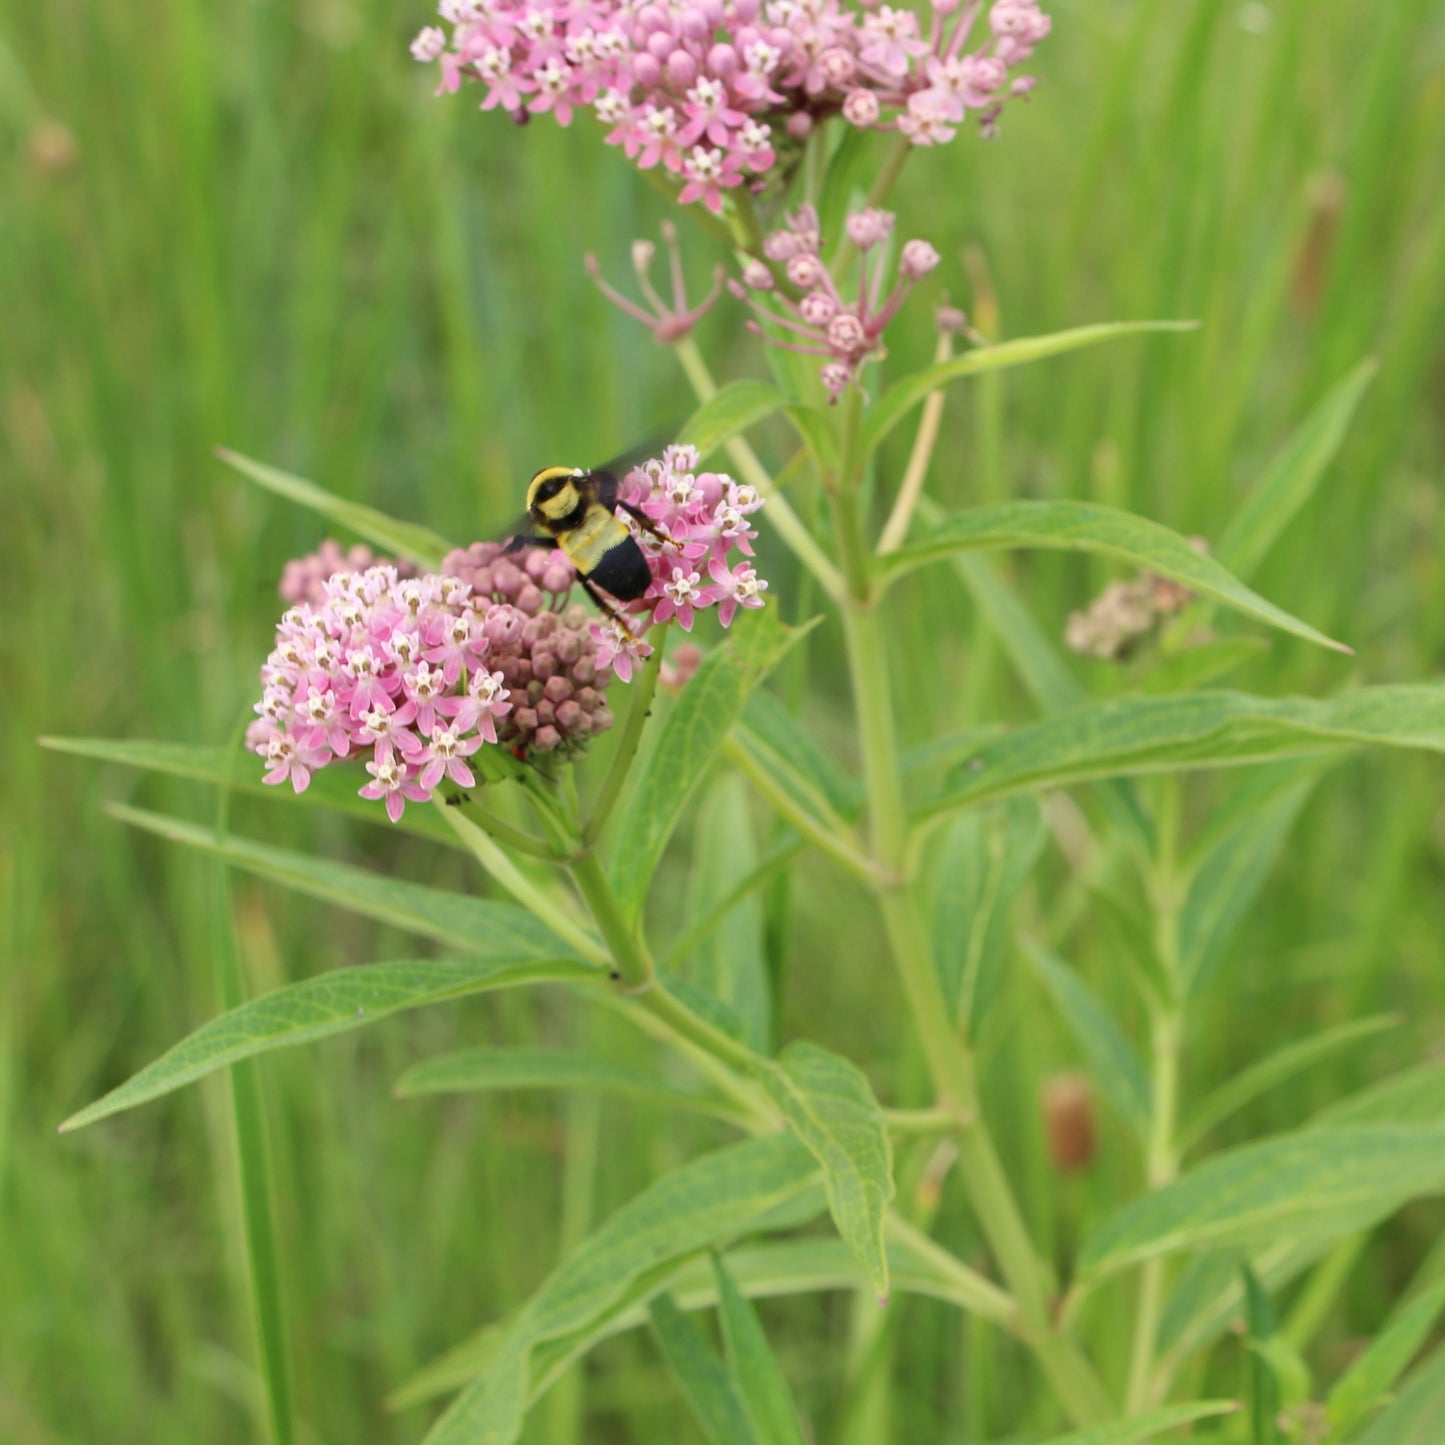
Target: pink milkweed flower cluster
(413,676)
(703,519)
(304,578)
(701,87)
(821,321)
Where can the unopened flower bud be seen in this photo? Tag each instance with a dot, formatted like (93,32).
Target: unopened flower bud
(757,275)
(817,309)
(917,260)
(805,271)
(866,228)
(861,108)
(800,125)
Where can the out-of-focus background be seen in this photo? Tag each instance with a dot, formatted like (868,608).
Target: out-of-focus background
(253,225)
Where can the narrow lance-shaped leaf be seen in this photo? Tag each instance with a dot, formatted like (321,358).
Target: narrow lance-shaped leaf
(770,1182)
(709,1388)
(1369,1380)
(1309,1186)
(1089,527)
(485,1070)
(765,1394)
(333,1003)
(828,1104)
(1112,1059)
(1293,475)
(1271,1071)
(1414,1417)
(1147,1425)
(1145,735)
(476,925)
(332,788)
(729,411)
(403,539)
(674,763)
(904,395)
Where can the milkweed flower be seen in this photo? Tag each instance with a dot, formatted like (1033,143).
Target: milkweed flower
(712,90)
(846,330)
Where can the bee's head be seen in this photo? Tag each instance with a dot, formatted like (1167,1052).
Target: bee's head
(555,493)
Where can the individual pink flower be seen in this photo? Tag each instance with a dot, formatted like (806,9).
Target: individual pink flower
(739,587)
(444,756)
(393,781)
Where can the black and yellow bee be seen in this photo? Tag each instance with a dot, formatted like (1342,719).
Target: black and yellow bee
(576,510)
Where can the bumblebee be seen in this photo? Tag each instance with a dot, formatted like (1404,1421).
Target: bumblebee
(577,510)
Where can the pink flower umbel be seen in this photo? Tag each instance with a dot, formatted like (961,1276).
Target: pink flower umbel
(824,322)
(709,89)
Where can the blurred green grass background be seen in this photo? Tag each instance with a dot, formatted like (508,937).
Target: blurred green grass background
(252,225)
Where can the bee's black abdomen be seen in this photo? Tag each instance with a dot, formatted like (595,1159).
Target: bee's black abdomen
(623,571)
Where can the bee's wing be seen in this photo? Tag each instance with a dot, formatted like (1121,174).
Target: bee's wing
(520,535)
(608,475)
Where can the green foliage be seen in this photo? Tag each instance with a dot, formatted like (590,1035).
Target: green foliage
(736,407)
(1147,1425)
(1369,1379)
(765,1394)
(706,1384)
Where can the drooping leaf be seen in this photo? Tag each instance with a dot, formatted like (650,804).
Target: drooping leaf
(691,735)
(1415,1415)
(1112,1059)
(729,961)
(985,858)
(1228,880)
(333,788)
(1370,1378)
(764,1390)
(829,1105)
(401,539)
(1147,1425)
(1309,1186)
(770,1182)
(333,1003)
(1272,1070)
(484,1070)
(1208,729)
(730,411)
(904,395)
(475,925)
(1294,473)
(707,1385)
(1089,527)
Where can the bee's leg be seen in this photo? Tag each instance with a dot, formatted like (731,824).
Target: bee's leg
(455,800)
(519,542)
(646,522)
(605,604)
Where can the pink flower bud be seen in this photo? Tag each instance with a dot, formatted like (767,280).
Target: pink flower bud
(917,260)
(868,227)
(817,308)
(780,246)
(647,70)
(835,377)
(722,61)
(681,68)
(846,334)
(805,271)
(800,125)
(546,739)
(758,276)
(861,108)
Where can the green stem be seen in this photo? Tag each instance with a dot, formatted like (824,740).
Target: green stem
(1162,1155)
(515,838)
(533,898)
(883,183)
(841,847)
(631,962)
(895,530)
(642,694)
(969,1288)
(781,517)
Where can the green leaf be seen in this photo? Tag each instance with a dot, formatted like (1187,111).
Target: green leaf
(1197,665)
(790,751)
(904,395)
(1414,1096)
(1227,881)
(1414,1418)
(1263,1382)
(1089,527)
(484,1070)
(763,1183)
(402,539)
(691,735)
(316,1008)
(333,788)
(984,861)
(1112,1059)
(1293,475)
(829,1105)
(1147,1425)
(729,962)
(1309,1186)
(729,411)
(815,432)
(477,926)
(1273,1070)
(1372,1376)
(765,1394)
(706,1384)
(1157,734)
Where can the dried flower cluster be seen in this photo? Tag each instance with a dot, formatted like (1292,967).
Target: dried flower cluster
(822,321)
(703,87)
(1120,616)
